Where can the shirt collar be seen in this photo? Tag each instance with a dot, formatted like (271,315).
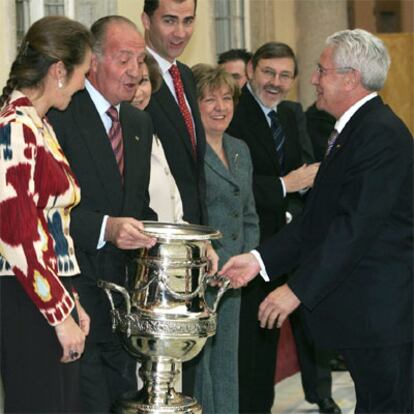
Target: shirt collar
(164,64)
(101,104)
(347,115)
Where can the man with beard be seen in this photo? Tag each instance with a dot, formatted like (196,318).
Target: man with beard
(275,131)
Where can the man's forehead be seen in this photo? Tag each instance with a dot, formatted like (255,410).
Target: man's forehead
(171,8)
(124,39)
(277,62)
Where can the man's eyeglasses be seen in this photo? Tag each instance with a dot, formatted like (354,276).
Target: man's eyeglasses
(272,74)
(321,71)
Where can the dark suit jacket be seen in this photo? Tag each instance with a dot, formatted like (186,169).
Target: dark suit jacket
(170,127)
(354,241)
(86,145)
(249,124)
(320,125)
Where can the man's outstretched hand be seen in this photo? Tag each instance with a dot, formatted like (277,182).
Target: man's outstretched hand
(240,269)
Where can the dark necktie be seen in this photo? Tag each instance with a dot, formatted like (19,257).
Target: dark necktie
(185,111)
(279,138)
(331,141)
(115,137)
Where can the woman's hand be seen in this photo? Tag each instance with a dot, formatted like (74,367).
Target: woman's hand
(84,319)
(213,260)
(72,339)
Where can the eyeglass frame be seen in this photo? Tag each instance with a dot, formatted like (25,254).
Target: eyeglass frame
(321,71)
(283,76)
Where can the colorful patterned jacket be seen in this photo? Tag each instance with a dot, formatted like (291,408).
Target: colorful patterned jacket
(37,192)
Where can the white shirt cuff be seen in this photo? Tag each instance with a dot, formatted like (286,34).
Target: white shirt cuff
(263,272)
(283,186)
(101,241)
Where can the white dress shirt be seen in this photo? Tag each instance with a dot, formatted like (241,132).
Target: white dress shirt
(101,105)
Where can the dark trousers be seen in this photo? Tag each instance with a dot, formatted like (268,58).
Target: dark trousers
(383,377)
(107,371)
(34,379)
(257,352)
(314,362)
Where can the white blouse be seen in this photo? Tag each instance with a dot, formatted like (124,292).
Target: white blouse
(165,198)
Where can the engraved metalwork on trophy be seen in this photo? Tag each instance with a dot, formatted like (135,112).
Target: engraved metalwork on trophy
(165,319)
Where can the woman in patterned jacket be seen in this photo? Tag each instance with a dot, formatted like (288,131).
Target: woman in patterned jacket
(42,324)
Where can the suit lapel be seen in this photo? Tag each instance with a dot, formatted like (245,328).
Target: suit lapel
(214,162)
(291,138)
(169,106)
(259,123)
(346,134)
(97,142)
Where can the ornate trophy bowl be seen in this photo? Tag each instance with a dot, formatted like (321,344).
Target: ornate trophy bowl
(166,319)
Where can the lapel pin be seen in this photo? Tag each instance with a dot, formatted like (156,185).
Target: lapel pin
(136,138)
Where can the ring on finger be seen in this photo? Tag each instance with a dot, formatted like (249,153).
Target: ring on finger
(73,354)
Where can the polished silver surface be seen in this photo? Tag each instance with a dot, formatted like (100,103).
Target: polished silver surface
(166,319)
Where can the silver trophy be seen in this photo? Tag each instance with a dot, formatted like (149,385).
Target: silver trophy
(166,319)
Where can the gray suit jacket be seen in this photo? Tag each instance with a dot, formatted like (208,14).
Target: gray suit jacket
(231,209)
(230,202)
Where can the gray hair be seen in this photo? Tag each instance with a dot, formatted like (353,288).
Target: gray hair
(100,27)
(364,52)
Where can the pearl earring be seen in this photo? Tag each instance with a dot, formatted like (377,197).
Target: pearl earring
(60,84)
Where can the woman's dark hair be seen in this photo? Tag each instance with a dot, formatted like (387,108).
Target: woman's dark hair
(49,40)
(154,73)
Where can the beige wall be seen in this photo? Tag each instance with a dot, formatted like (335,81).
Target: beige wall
(398,90)
(7,39)
(202,45)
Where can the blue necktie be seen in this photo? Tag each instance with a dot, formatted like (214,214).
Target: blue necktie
(279,138)
(331,141)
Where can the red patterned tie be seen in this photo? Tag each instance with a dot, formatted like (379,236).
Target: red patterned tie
(179,90)
(115,136)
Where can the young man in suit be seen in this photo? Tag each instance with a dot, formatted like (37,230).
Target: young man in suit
(279,173)
(175,115)
(110,156)
(173,108)
(353,245)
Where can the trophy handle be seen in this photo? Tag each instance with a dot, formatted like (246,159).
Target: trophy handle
(108,287)
(225,284)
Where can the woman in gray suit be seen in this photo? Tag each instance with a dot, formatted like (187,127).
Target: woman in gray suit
(231,209)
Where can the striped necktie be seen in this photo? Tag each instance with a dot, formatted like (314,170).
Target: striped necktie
(279,138)
(115,137)
(331,141)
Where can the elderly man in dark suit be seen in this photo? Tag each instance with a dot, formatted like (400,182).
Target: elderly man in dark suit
(353,245)
(262,117)
(173,108)
(108,145)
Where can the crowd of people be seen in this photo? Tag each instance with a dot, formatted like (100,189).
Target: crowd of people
(101,129)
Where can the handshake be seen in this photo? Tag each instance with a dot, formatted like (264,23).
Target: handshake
(277,306)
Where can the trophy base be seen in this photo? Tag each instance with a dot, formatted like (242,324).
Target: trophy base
(132,404)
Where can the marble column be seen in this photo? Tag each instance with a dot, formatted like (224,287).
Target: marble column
(316,20)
